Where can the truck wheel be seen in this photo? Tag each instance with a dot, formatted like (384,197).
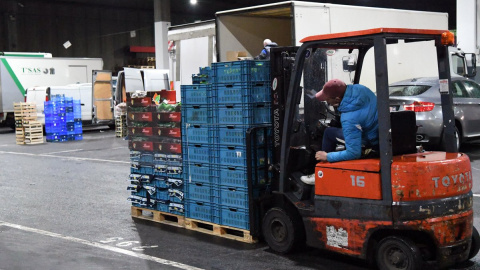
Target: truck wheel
(396,252)
(282,232)
(10,121)
(475,244)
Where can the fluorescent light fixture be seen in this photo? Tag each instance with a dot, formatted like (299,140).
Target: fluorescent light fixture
(193,2)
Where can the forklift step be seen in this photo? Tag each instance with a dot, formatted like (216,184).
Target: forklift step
(220,230)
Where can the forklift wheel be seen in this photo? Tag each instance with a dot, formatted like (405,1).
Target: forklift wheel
(281,231)
(475,244)
(396,252)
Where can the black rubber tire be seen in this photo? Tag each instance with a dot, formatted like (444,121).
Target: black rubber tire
(475,247)
(282,232)
(458,140)
(396,252)
(10,121)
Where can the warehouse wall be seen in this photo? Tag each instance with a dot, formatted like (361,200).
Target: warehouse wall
(94,30)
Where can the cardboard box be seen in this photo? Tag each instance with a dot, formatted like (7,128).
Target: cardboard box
(140,116)
(142,102)
(140,131)
(234,55)
(173,148)
(164,117)
(140,145)
(168,132)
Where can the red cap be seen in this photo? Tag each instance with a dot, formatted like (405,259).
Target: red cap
(332,89)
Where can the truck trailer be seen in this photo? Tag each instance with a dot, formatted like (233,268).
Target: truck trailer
(286,23)
(19,71)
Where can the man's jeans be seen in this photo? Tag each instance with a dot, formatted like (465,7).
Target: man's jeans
(329,143)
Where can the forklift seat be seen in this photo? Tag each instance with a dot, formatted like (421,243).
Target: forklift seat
(404,131)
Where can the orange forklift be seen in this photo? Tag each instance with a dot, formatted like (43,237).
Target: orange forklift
(403,209)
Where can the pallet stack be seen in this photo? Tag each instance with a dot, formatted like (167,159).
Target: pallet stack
(27,129)
(156,179)
(215,119)
(121,126)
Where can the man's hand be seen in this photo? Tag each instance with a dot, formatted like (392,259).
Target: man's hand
(321,156)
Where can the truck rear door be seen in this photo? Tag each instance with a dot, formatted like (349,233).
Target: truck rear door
(102,96)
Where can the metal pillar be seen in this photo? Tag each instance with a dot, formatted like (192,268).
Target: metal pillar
(162,22)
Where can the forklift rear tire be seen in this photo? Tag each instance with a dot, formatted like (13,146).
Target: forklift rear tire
(396,252)
(475,244)
(282,232)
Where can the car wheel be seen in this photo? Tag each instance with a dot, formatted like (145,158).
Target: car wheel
(282,231)
(396,252)
(458,139)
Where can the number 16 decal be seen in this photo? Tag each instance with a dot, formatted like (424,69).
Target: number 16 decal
(358,180)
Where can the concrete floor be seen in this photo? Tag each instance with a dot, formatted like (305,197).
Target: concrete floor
(64,206)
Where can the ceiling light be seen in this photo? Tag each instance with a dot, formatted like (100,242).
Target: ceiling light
(193,2)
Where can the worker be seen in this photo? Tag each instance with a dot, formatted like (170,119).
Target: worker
(265,53)
(359,118)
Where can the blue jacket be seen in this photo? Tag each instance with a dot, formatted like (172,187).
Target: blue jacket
(359,119)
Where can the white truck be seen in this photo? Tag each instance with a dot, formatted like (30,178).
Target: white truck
(96,98)
(286,23)
(192,46)
(468,32)
(19,71)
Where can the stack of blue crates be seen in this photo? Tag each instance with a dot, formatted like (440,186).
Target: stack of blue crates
(63,119)
(215,119)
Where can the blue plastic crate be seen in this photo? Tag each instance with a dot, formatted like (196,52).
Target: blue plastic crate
(237,135)
(236,176)
(176,208)
(141,193)
(234,197)
(141,157)
(235,217)
(198,94)
(142,170)
(202,211)
(162,194)
(202,192)
(160,182)
(241,71)
(237,156)
(198,153)
(198,134)
(198,114)
(244,93)
(176,195)
(206,71)
(197,172)
(161,206)
(243,114)
(200,79)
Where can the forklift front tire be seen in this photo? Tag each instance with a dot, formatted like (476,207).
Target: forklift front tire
(396,252)
(281,231)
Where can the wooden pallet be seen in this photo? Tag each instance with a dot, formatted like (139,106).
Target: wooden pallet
(37,140)
(220,230)
(157,216)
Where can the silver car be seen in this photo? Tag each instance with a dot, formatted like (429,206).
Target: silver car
(422,95)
